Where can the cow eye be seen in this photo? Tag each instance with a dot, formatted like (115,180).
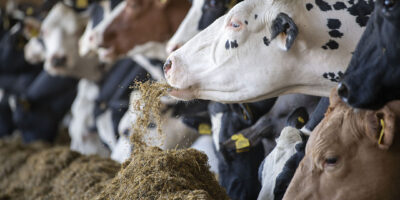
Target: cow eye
(389,3)
(235,25)
(331,161)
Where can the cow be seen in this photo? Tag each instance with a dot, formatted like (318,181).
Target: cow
(133,26)
(100,15)
(278,167)
(176,134)
(372,79)
(237,168)
(201,15)
(60,32)
(262,49)
(84,139)
(352,154)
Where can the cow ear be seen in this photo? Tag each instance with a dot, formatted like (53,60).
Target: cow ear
(285,30)
(381,127)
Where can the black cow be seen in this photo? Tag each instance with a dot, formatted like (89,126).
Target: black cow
(373,76)
(40,109)
(237,170)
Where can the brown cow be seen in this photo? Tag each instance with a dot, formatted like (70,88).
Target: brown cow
(142,21)
(346,159)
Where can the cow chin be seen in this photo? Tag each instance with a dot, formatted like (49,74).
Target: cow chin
(182,94)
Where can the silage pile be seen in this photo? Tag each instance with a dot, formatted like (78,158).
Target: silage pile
(42,172)
(38,171)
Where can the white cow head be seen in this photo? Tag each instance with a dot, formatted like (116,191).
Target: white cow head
(262,49)
(61,31)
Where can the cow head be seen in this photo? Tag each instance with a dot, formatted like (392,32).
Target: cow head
(142,21)
(61,31)
(262,49)
(352,154)
(201,14)
(373,76)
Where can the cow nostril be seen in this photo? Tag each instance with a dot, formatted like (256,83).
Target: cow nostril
(167,66)
(343,91)
(59,61)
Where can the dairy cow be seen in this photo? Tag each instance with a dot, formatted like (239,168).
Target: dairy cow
(60,32)
(100,16)
(373,78)
(352,154)
(133,27)
(262,49)
(200,16)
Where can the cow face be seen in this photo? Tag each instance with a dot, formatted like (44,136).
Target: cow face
(201,14)
(352,154)
(262,49)
(60,32)
(373,76)
(142,21)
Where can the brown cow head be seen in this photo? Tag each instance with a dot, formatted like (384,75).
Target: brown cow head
(352,154)
(142,21)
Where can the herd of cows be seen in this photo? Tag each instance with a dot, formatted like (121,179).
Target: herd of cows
(251,81)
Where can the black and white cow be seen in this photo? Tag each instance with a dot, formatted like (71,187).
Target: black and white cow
(266,48)
(373,76)
(237,170)
(277,169)
(40,109)
(200,16)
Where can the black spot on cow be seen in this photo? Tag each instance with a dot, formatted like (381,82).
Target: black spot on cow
(324,6)
(332,44)
(335,34)
(255,16)
(234,44)
(227,45)
(351,2)
(266,41)
(362,9)
(325,47)
(334,24)
(339,6)
(309,6)
(334,77)
(246,22)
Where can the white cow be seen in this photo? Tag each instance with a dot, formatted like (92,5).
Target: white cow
(275,161)
(60,31)
(83,139)
(266,48)
(175,133)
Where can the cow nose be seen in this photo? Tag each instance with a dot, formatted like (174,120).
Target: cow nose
(343,91)
(58,61)
(167,66)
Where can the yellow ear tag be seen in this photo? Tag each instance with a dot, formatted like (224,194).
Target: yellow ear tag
(301,120)
(33,32)
(204,129)
(29,11)
(242,144)
(382,132)
(81,4)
